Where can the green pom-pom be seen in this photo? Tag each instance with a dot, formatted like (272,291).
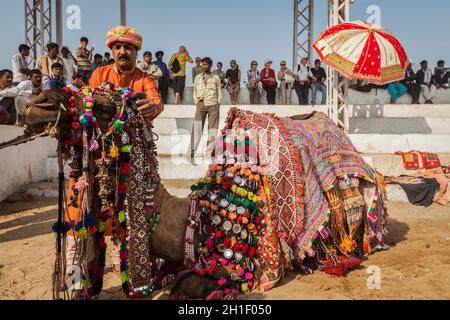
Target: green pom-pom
(126,149)
(222,193)
(101,226)
(122,216)
(123,276)
(122,178)
(118,125)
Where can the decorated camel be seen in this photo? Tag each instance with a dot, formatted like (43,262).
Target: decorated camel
(280,193)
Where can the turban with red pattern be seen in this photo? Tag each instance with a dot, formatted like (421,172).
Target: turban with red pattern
(124,34)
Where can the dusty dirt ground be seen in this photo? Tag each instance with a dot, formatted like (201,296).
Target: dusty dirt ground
(417,266)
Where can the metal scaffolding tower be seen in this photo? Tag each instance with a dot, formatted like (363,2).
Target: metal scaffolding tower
(38,26)
(338,12)
(303,30)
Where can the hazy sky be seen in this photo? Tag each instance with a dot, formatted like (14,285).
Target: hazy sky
(240,29)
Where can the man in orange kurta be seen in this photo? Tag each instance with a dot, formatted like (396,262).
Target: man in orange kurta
(124,43)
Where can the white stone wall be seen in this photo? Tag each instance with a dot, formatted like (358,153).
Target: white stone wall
(23,164)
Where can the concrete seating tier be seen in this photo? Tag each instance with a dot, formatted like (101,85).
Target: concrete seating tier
(376,96)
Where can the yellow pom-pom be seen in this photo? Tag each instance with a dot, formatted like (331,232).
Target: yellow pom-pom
(89,105)
(114,152)
(245,288)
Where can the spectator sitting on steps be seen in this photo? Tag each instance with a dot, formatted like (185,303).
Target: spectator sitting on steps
(426,80)
(442,75)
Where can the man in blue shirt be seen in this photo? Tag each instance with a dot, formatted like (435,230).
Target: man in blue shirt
(55,79)
(163,82)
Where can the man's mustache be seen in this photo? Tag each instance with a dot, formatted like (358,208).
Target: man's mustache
(125,57)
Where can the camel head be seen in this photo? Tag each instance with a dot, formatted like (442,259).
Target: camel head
(56,112)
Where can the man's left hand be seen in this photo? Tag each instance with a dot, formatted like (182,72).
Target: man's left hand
(147,108)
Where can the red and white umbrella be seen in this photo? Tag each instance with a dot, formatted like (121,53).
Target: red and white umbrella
(363,51)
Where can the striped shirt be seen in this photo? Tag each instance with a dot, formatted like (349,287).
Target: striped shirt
(83,59)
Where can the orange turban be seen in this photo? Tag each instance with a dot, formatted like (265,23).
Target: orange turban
(123,34)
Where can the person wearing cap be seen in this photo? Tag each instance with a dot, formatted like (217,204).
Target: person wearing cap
(125,42)
(301,85)
(269,81)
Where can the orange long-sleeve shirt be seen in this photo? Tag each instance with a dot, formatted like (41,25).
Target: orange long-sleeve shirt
(138,80)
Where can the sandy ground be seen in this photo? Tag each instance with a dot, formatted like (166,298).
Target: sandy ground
(416,267)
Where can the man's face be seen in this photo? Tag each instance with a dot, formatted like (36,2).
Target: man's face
(53,52)
(98,60)
(441,64)
(206,66)
(233,64)
(219,66)
(25,53)
(159,56)
(78,82)
(84,44)
(425,65)
(198,62)
(57,72)
(124,55)
(304,62)
(65,52)
(182,49)
(148,58)
(36,79)
(6,80)
(317,64)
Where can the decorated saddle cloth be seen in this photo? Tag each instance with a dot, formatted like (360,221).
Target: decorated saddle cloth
(305,158)
(328,157)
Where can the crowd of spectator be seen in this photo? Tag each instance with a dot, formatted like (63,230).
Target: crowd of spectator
(59,68)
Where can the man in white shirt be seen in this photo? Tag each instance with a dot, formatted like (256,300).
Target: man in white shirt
(8,93)
(28,90)
(19,64)
(301,85)
(70,66)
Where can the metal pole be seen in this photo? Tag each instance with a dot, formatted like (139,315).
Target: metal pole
(338,12)
(123,12)
(295,42)
(303,29)
(59,31)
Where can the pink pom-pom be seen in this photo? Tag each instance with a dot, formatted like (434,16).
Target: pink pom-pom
(221,282)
